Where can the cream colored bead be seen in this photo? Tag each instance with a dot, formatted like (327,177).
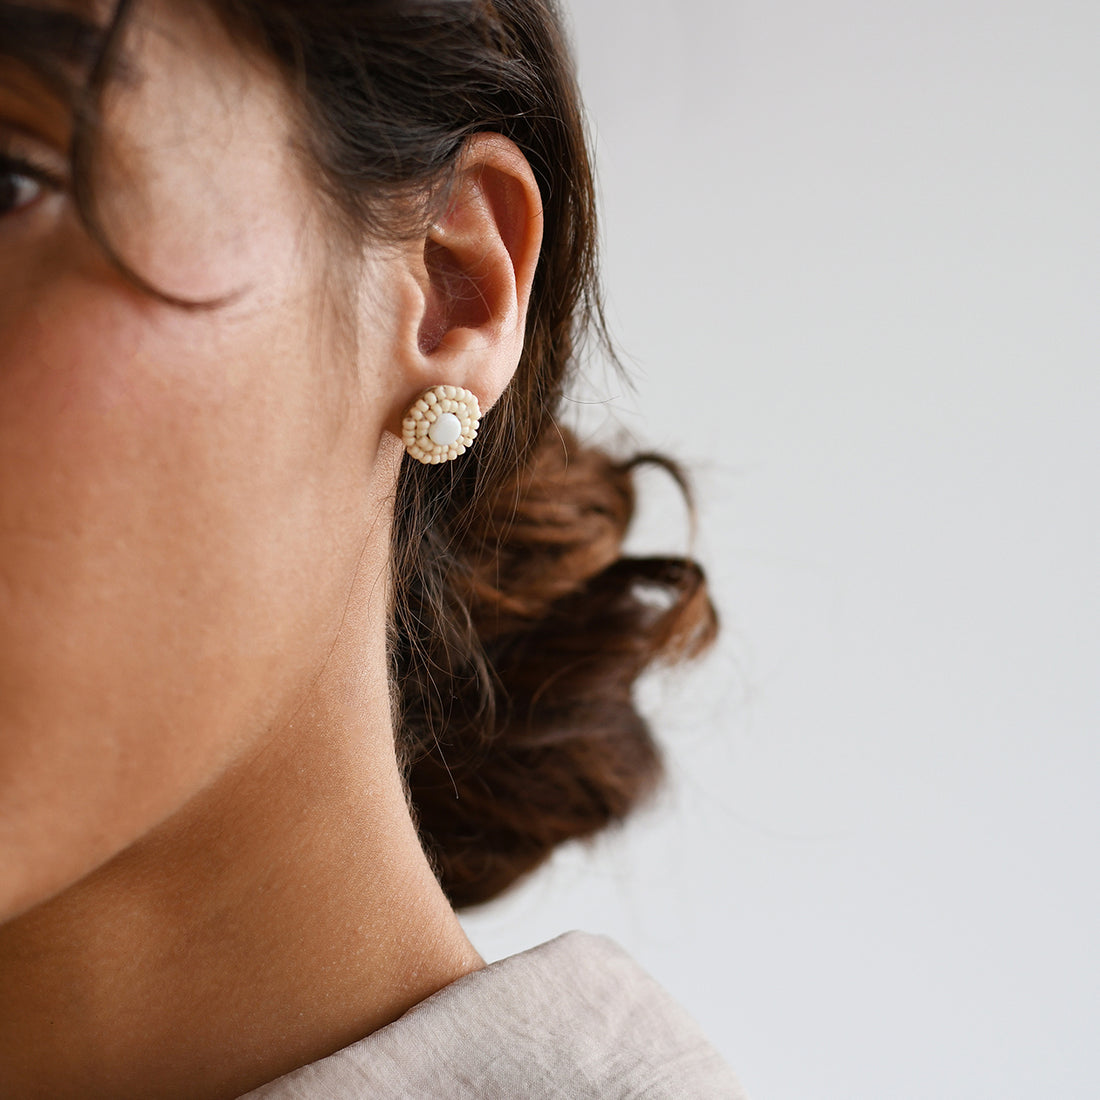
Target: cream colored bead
(445,430)
(441,424)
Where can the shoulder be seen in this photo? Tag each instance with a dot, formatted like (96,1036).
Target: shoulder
(574,1018)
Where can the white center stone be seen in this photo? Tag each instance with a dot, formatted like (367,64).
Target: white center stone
(445,430)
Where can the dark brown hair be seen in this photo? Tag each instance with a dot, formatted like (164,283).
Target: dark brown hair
(518,627)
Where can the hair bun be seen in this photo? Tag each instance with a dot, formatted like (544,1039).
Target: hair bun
(536,740)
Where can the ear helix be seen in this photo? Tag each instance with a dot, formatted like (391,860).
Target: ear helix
(440,424)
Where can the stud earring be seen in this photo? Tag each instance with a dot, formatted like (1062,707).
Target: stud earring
(440,424)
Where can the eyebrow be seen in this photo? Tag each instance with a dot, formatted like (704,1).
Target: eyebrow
(48,38)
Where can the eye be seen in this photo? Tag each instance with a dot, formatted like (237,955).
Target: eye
(21,184)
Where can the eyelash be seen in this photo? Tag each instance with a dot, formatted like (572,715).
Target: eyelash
(14,167)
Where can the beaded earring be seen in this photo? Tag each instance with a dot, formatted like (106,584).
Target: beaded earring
(440,424)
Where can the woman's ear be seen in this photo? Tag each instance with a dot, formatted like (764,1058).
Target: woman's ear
(479,264)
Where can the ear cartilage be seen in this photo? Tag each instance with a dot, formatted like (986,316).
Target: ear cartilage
(440,424)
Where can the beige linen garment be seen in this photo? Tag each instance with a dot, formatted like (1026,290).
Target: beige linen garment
(575,1018)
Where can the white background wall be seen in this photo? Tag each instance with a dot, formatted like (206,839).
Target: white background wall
(853,250)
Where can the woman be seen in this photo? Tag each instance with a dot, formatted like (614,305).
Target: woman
(275,696)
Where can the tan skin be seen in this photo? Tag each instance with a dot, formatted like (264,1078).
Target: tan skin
(208,871)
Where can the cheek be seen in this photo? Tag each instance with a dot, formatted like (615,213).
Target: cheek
(175,546)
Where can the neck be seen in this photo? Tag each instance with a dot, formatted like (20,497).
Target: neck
(286,912)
